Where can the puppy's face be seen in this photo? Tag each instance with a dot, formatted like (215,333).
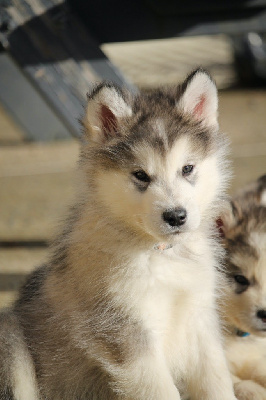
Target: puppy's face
(245,243)
(157,157)
(164,193)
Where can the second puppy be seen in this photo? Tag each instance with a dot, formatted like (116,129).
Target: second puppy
(245,301)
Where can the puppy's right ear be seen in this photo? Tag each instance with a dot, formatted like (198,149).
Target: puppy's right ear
(107,107)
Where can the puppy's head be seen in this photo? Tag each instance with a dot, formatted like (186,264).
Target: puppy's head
(244,229)
(156,160)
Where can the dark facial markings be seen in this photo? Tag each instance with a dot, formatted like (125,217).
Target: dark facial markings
(239,245)
(141,180)
(142,176)
(242,280)
(236,278)
(242,283)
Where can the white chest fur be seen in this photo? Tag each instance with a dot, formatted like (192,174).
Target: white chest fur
(169,291)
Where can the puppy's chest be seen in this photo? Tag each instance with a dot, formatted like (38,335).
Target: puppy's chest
(171,287)
(170,304)
(171,274)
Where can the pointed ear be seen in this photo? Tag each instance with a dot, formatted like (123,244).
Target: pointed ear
(199,98)
(230,217)
(105,110)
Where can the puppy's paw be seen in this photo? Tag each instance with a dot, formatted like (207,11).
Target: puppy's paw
(249,390)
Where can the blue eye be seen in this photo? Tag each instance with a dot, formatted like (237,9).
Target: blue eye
(187,169)
(142,176)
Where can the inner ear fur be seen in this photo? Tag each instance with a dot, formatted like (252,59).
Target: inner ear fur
(107,106)
(199,98)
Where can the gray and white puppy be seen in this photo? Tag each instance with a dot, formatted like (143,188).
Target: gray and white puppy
(244,305)
(126,309)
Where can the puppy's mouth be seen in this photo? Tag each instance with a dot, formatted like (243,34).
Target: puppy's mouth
(175,232)
(169,233)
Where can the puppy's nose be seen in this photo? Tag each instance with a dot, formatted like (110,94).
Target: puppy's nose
(175,217)
(262,315)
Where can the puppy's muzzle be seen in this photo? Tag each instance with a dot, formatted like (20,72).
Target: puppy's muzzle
(175,217)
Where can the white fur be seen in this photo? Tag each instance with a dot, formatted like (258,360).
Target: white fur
(246,358)
(23,377)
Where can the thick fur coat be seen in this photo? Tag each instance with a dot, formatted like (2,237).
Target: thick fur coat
(125,309)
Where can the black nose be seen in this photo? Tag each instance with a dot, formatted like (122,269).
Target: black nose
(175,217)
(262,315)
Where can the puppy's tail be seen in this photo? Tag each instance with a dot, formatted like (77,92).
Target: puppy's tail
(17,374)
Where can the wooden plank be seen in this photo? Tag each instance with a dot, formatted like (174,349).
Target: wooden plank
(58,56)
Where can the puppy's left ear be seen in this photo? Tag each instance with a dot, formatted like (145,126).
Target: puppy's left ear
(199,98)
(106,109)
(229,218)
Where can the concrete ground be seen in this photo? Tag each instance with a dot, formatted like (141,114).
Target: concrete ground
(37,180)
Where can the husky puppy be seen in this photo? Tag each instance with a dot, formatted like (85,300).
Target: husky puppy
(126,308)
(245,303)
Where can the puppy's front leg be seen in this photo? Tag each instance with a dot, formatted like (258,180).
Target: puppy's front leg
(146,378)
(211,379)
(249,390)
(252,386)
(258,372)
